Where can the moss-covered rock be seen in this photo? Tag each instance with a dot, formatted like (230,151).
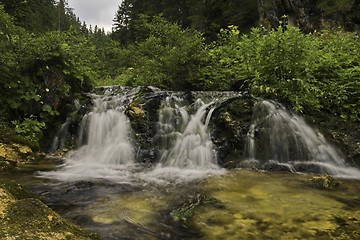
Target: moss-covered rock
(230,123)
(23,216)
(185,212)
(138,117)
(143,115)
(343,134)
(324,182)
(13,153)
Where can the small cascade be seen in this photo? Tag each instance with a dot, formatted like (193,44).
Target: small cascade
(105,144)
(186,150)
(60,138)
(192,147)
(278,140)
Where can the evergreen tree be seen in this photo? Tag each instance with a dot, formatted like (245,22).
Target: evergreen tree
(207,16)
(34,16)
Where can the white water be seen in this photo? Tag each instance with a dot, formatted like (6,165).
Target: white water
(286,139)
(188,152)
(276,136)
(107,151)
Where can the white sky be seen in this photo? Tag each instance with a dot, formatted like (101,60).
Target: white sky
(96,12)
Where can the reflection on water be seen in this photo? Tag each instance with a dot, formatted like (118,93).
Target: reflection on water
(253,205)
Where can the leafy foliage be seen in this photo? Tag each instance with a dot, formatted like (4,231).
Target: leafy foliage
(48,57)
(310,71)
(168,58)
(39,72)
(30,128)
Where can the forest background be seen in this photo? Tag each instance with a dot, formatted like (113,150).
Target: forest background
(49,57)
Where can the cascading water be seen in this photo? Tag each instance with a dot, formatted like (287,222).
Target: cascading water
(193,147)
(104,137)
(130,206)
(277,140)
(187,152)
(280,139)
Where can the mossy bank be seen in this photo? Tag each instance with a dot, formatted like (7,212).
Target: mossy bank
(24,216)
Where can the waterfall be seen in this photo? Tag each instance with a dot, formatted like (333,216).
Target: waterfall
(179,137)
(192,147)
(187,152)
(105,144)
(279,139)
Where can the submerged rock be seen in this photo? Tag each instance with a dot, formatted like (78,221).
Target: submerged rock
(186,211)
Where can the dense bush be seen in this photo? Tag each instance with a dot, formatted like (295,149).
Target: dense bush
(38,72)
(169,57)
(318,71)
(41,72)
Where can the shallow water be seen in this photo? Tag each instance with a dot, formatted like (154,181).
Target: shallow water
(278,206)
(251,205)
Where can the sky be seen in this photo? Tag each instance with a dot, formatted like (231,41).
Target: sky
(96,12)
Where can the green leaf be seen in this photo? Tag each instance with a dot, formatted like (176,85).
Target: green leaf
(47,108)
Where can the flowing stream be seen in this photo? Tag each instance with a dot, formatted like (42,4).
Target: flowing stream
(102,186)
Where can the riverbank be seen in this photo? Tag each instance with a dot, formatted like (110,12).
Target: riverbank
(24,216)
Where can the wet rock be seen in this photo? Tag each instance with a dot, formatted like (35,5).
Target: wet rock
(230,124)
(12,154)
(341,133)
(307,167)
(274,166)
(324,182)
(23,216)
(310,15)
(186,211)
(143,115)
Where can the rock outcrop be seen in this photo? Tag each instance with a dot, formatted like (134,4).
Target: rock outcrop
(311,15)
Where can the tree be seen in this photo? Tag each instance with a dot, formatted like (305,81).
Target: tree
(168,58)
(34,16)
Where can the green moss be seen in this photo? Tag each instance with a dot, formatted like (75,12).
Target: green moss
(331,6)
(138,117)
(186,211)
(31,219)
(23,216)
(324,182)
(15,190)
(142,92)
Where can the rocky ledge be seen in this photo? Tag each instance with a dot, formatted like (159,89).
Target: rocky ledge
(24,216)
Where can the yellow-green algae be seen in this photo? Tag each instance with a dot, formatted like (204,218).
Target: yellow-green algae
(278,206)
(11,154)
(135,207)
(23,216)
(252,205)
